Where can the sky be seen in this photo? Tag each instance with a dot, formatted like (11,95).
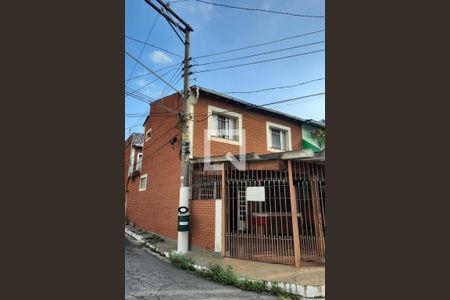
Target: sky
(219,29)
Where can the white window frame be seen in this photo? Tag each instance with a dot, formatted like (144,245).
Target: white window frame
(146,133)
(141,155)
(217,110)
(131,163)
(288,136)
(140,180)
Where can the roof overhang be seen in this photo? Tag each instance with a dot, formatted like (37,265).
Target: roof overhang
(216,95)
(302,155)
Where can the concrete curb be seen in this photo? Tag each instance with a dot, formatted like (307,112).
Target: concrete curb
(316,292)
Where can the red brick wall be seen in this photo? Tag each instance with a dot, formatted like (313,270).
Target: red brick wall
(253,123)
(156,208)
(202,222)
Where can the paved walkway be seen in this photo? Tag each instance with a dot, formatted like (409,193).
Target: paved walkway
(307,274)
(148,277)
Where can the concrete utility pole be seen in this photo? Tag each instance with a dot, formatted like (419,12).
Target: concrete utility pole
(171,17)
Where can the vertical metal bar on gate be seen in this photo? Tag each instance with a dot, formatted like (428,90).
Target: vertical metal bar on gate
(316,213)
(294,216)
(223,195)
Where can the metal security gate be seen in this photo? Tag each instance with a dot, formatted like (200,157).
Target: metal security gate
(266,230)
(309,183)
(258,230)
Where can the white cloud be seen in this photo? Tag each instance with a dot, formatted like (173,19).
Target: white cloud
(159,57)
(149,92)
(143,82)
(194,10)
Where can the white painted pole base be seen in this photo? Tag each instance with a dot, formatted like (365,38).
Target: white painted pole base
(183,242)
(183,237)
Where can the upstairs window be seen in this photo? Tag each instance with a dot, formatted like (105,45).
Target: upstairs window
(225,127)
(143,183)
(139,162)
(148,134)
(278,139)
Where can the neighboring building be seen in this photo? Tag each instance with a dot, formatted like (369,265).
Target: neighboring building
(313,137)
(133,165)
(220,124)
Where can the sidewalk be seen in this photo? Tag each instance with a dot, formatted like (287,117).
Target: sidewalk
(309,278)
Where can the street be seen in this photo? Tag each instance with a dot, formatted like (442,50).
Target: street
(148,277)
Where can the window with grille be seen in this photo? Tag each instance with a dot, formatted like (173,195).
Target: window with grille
(225,127)
(278,139)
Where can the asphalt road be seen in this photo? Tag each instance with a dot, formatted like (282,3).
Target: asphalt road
(148,277)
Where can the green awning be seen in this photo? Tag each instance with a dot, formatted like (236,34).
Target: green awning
(308,145)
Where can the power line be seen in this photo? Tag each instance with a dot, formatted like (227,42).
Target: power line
(143,47)
(162,79)
(261,10)
(259,54)
(260,61)
(149,73)
(147,84)
(291,99)
(304,101)
(171,80)
(261,44)
(143,98)
(151,45)
(137,98)
(275,88)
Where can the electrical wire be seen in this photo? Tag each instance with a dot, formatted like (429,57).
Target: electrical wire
(143,98)
(151,45)
(162,79)
(258,45)
(143,47)
(258,54)
(147,84)
(261,61)
(261,10)
(273,88)
(149,73)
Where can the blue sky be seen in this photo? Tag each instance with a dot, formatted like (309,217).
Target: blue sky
(219,29)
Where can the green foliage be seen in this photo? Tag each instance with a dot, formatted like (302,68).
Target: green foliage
(226,276)
(222,275)
(258,286)
(182,262)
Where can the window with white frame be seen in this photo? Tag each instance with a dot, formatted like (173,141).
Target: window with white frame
(278,137)
(143,183)
(139,162)
(131,163)
(224,126)
(148,134)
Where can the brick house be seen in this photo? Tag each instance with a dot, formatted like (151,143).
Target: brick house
(133,165)
(219,125)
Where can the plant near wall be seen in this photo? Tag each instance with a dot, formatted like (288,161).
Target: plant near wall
(226,276)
